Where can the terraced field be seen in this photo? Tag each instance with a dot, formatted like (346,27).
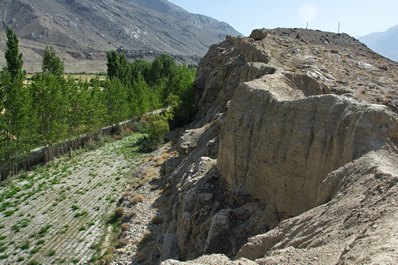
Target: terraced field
(57,213)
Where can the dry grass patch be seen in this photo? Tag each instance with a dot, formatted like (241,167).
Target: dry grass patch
(126,195)
(122,242)
(157,220)
(119,212)
(146,237)
(150,173)
(108,256)
(125,227)
(129,215)
(137,199)
(161,159)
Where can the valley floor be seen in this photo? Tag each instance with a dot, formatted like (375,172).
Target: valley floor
(58,213)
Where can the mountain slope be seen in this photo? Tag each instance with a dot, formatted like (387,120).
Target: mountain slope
(88,28)
(385,43)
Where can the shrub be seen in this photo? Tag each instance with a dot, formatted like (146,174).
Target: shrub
(43,231)
(33,262)
(146,237)
(3,249)
(157,220)
(125,227)
(137,199)
(156,128)
(119,212)
(74,207)
(129,215)
(25,245)
(81,214)
(51,252)
(122,243)
(116,216)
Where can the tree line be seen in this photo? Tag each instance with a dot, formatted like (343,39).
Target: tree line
(52,108)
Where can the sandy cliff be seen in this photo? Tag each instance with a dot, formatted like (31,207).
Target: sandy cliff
(293,157)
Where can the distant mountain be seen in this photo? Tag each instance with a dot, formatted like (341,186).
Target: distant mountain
(84,29)
(384,43)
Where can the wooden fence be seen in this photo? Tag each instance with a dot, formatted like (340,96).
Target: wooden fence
(45,154)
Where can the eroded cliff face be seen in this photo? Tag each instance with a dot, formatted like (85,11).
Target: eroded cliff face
(280,150)
(293,157)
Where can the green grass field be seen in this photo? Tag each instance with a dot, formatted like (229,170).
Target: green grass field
(57,213)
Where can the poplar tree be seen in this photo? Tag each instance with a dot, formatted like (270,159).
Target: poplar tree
(12,55)
(52,63)
(116,98)
(118,67)
(16,102)
(49,101)
(140,101)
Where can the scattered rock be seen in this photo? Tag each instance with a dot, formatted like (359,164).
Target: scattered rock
(258,34)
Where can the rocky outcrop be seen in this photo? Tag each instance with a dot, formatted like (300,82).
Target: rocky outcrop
(305,170)
(282,156)
(358,226)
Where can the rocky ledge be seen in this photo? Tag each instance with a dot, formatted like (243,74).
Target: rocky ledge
(292,159)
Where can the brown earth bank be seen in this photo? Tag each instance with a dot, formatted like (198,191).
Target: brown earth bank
(292,158)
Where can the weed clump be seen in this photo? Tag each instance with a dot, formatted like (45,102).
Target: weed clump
(157,220)
(137,199)
(125,227)
(116,216)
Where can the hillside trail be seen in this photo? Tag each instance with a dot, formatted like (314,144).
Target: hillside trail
(57,214)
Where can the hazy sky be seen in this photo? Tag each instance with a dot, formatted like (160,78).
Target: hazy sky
(357,17)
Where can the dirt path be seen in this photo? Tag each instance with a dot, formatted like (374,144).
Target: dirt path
(57,213)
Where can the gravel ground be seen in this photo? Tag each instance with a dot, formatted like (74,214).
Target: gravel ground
(143,225)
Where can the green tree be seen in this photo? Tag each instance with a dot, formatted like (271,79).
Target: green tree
(50,104)
(139,97)
(76,98)
(162,67)
(180,96)
(118,67)
(96,108)
(15,104)
(52,63)
(156,127)
(12,55)
(116,98)
(140,68)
